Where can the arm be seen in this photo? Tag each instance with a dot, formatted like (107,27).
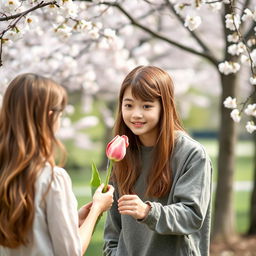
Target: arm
(192,193)
(101,202)
(112,229)
(61,215)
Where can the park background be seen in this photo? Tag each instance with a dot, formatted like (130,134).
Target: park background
(89,46)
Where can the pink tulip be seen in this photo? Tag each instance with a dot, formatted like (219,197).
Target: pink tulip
(116,148)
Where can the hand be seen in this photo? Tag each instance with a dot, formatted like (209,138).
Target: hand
(83,213)
(132,205)
(103,201)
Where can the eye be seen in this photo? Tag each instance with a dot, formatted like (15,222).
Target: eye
(147,106)
(127,105)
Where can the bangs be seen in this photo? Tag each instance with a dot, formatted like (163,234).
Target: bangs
(144,90)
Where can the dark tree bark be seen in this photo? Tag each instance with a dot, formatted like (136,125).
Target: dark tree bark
(252,213)
(223,227)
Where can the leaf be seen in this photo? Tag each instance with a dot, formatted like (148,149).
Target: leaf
(95,179)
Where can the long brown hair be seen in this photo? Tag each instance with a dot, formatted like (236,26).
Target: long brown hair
(148,83)
(30,108)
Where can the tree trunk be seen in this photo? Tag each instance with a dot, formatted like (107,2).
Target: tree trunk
(224,218)
(252,216)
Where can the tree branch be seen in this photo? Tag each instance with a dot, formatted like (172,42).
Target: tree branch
(250,31)
(162,37)
(18,18)
(40,5)
(192,33)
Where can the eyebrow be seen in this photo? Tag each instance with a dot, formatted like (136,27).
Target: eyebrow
(127,99)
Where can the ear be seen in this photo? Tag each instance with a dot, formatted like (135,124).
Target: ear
(50,112)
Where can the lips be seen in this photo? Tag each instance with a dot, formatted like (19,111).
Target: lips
(138,124)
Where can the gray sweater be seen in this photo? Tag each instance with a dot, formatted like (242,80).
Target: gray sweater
(177,224)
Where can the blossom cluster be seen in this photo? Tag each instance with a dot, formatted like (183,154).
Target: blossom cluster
(241,51)
(235,114)
(19,17)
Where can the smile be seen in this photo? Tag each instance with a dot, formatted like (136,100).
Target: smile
(138,124)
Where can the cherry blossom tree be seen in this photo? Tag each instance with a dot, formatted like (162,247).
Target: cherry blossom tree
(235,21)
(78,42)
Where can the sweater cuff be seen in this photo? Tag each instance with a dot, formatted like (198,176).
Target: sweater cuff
(150,218)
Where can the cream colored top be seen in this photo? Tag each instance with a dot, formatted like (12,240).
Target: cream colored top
(55,229)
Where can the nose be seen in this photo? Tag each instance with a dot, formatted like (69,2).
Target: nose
(137,113)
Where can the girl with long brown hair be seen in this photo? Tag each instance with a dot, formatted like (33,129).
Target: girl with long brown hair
(163,185)
(38,210)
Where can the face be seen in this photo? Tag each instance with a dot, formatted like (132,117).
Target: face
(141,117)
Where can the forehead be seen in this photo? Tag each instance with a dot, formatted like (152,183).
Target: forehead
(128,96)
(134,94)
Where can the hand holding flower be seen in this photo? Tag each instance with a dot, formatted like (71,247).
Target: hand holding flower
(103,201)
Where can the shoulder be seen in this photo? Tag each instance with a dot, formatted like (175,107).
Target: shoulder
(185,145)
(55,175)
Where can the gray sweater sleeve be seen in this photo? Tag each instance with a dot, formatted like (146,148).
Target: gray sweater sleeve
(190,199)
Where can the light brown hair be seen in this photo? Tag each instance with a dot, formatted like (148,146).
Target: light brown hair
(27,142)
(148,83)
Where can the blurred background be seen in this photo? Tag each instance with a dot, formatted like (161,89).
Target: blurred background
(89,47)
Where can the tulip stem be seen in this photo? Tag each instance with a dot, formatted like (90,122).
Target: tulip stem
(109,168)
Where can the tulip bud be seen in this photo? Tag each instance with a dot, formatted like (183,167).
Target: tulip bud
(116,148)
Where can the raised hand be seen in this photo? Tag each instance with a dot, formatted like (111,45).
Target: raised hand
(132,205)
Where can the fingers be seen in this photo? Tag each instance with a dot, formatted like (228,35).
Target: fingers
(99,189)
(132,205)
(88,205)
(110,189)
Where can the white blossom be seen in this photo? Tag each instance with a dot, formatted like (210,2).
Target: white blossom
(229,67)
(192,22)
(245,59)
(83,25)
(109,33)
(236,49)
(248,14)
(69,9)
(9,6)
(253,80)
(250,127)
(232,21)
(235,115)
(251,42)
(234,38)
(13,34)
(215,7)
(94,33)
(230,102)
(63,31)
(226,1)
(250,110)
(179,8)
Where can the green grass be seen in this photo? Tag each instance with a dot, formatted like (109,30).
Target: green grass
(242,202)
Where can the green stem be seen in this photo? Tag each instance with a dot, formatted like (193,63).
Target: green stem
(105,189)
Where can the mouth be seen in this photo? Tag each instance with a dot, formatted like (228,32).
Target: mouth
(138,124)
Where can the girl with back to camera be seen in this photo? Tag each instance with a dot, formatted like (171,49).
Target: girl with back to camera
(38,210)
(163,185)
